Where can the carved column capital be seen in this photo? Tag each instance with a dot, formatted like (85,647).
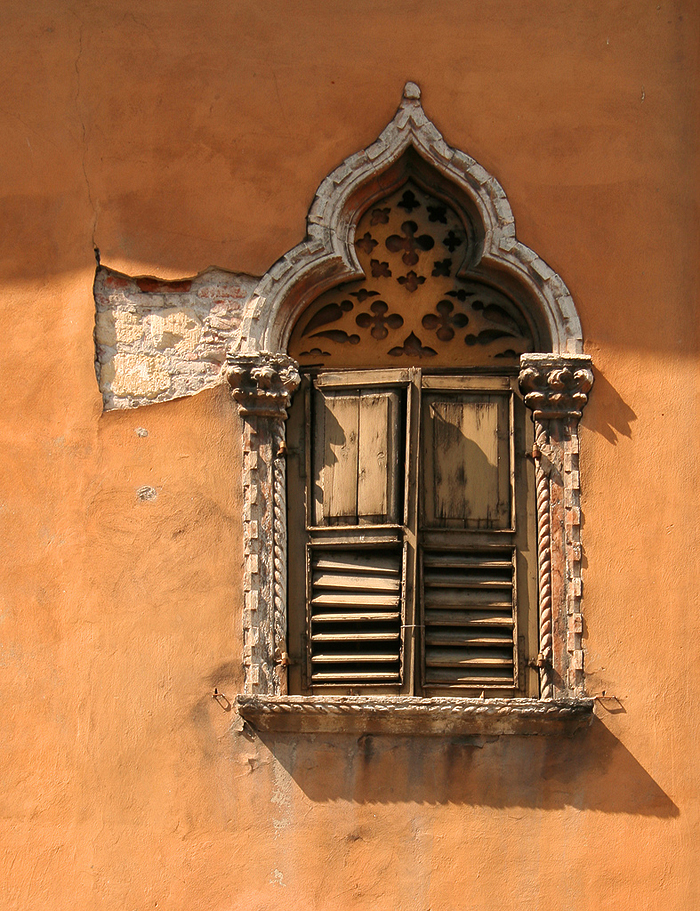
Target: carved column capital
(262,384)
(555,386)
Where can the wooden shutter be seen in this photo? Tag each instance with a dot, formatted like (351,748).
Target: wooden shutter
(469,617)
(466,460)
(355,616)
(355,534)
(467,557)
(356,447)
(405,576)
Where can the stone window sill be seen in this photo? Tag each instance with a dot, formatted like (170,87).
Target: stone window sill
(437,716)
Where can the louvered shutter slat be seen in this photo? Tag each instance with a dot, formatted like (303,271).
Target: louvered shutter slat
(465,581)
(457,637)
(353,658)
(457,561)
(355,677)
(471,678)
(354,636)
(355,618)
(463,657)
(469,618)
(351,599)
(373,564)
(462,598)
(359,616)
(353,582)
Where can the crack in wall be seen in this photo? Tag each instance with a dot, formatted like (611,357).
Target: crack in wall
(83,127)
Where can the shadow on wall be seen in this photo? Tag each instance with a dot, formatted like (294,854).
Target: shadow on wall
(607,414)
(590,771)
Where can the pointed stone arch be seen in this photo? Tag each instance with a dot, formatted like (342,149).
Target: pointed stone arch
(409,145)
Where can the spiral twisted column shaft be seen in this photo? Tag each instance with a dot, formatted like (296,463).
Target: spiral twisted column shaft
(279,556)
(544,565)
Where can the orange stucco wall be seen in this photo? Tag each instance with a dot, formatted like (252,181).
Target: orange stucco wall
(175,135)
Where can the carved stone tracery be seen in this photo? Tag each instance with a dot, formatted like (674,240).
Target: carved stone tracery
(419,296)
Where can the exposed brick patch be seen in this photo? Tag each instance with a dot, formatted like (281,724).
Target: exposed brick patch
(158,340)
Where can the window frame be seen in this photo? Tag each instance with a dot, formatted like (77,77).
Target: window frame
(555,386)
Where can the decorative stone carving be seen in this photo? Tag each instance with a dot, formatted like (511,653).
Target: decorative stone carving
(556,389)
(262,384)
(414,715)
(352,242)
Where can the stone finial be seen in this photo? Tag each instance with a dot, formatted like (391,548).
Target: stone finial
(262,384)
(411,91)
(555,386)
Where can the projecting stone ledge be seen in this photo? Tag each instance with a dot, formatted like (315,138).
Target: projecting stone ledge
(437,716)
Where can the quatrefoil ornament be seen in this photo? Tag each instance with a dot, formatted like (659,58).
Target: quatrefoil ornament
(379,321)
(409,243)
(444,324)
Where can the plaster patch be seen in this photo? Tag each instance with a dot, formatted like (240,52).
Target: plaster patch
(156,340)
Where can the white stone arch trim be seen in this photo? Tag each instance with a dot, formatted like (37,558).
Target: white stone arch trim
(327,257)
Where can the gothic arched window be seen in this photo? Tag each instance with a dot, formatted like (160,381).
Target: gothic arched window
(431,541)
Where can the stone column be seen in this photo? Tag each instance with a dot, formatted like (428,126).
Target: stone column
(263,385)
(555,388)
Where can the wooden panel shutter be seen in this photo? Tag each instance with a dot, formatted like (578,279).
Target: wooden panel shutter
(356,445)
(356,552)
(467,557)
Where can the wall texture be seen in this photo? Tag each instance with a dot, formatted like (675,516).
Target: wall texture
(175,136)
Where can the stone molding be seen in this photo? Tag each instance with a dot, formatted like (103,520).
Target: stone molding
(437,716)
(263,385)
(327,256)
(556,389)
